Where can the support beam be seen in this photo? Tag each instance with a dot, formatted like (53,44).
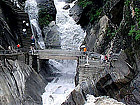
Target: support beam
(38,64)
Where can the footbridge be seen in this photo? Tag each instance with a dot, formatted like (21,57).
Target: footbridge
(84,61)
(34,57)
(58,54)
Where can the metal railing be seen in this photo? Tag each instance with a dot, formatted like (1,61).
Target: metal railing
(13,51)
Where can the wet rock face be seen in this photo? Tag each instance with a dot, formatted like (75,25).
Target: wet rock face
(69,1)
(47,11)
(6,35)
(20,84)
(52,38)
(66,7)
(76,12)
(95,41)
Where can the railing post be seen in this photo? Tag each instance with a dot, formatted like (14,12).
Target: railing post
(87,59)
(30,60)
(38,64)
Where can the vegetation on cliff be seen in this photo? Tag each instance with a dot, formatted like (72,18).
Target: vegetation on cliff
(121,33)
(46,13)
(44,18)
(135,29)
(93,8)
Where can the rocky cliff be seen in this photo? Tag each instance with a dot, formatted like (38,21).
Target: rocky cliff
(111,26)
(47,12)
(20,84)
(11,31)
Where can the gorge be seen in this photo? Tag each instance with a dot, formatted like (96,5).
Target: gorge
(107,26)
(71,36)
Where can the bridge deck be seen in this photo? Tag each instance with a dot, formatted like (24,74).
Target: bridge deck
(58,54)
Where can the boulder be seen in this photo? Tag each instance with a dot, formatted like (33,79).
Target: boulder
(20,84)
(52,38)
(66,7)
(69,1)
(75,12)
(47,12)
(96,38)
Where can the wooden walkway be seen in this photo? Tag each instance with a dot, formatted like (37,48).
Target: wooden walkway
(90,61)
(84,62)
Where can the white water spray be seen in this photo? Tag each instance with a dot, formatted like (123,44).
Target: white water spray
(102,100)
(71,36)
(32,10)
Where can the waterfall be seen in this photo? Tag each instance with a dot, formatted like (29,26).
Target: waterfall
(32,10)
(71,36)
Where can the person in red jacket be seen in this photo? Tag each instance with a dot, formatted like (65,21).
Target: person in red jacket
(106,59)
(18,46)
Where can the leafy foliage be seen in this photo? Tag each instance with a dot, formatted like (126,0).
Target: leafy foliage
(134,32)
(44,18)
(93,9)
(96,15)
(135,29)
(127,2)
(110,32)
(84,3)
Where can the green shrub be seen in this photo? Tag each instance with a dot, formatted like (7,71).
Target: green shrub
(84,3)
(135,29)
(134,32)
(44,18)
(94,16)
(127,2)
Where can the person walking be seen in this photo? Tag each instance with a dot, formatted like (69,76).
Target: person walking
(85,51)
(110,55)
(18,46)
(102,58)
(33,39)
(106,59)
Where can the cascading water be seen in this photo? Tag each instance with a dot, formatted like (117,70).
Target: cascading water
(32,10)
(71,36)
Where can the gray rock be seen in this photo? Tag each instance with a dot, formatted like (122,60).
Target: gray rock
(52,38)
(68,1)
(20,84)
(75,12)
(76,97)
(96,37)
(66,7)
